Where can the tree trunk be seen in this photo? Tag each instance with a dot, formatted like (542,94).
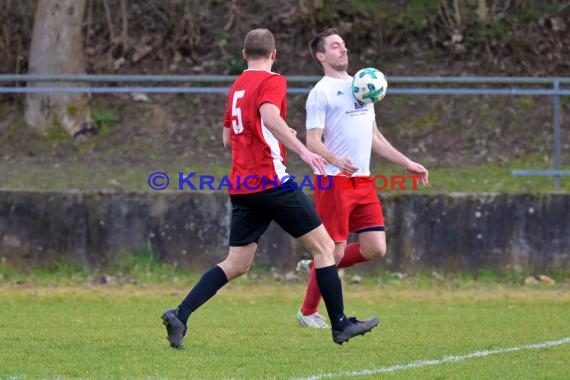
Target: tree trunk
(57,48)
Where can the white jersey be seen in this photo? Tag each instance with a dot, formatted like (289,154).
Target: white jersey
(347,124)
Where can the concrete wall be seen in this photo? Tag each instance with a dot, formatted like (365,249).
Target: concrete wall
(466,232)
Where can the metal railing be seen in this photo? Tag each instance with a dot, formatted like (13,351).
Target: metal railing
(555,91)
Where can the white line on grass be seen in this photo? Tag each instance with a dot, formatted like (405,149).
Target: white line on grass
(443,360)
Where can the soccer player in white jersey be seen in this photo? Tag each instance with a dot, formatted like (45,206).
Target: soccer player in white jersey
(344,132)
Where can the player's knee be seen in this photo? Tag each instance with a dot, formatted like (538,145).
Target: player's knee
(373,252)
(324,249)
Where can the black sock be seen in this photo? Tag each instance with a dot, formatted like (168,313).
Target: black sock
(212,281)
(331,290)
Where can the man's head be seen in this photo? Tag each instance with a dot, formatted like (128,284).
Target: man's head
(328,49)
(259,44)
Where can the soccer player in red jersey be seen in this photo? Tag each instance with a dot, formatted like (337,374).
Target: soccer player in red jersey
(262,191)
(348,203)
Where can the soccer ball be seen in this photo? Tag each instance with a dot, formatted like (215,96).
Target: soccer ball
(369,85)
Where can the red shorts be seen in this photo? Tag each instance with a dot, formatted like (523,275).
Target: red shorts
(348,205)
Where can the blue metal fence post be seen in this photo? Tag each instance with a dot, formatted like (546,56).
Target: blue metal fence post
(557,136)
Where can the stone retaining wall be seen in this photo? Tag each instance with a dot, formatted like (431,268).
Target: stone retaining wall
(450,232)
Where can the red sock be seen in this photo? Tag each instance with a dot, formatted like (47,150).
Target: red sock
(313,294)
(351,256)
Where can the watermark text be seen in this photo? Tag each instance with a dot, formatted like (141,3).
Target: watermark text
(204,182)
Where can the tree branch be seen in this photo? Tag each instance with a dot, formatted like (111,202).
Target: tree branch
(109,21)
(125,29)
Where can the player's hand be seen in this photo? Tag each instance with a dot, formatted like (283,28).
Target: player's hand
(316,162)
(345,165)
(415,168)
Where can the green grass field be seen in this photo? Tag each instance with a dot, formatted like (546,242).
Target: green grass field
(248,331)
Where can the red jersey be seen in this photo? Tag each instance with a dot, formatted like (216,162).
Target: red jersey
(258,159)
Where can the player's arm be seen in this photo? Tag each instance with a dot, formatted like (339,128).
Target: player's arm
(382,147)
(226,138)
(316,145)
(270,114)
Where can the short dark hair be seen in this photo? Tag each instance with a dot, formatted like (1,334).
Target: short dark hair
(259,43)
(317,44)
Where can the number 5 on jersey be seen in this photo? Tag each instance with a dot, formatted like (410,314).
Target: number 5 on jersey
(237,121)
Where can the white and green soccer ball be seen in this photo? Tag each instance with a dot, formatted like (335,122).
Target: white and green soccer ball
(369,85)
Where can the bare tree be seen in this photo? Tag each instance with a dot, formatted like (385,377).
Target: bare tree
(57,48)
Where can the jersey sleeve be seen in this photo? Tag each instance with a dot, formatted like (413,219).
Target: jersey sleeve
(273,90)
(316,109)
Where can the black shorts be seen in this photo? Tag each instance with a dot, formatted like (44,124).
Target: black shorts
(252,213)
